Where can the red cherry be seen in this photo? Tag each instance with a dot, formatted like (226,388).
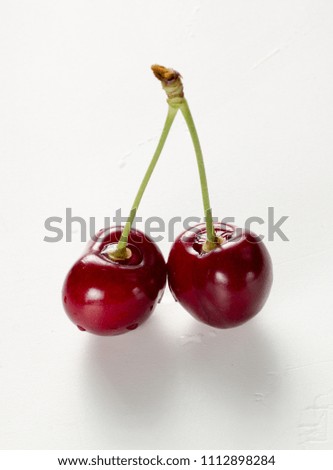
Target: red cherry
(109,297)
(226,286)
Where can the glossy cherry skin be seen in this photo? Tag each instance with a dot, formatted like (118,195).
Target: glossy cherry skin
(108,297)
(225,287)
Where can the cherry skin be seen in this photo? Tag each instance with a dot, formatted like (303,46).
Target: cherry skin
(109,297)
(226,286)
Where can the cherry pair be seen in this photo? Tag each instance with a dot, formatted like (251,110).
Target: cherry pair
(222,275)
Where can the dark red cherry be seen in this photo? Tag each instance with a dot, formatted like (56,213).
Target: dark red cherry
(226,286)
(109,297)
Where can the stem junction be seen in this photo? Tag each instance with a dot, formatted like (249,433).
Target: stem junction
(173,86)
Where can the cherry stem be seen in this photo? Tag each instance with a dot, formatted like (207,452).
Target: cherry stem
(211,235)
(120,252)
(171,81)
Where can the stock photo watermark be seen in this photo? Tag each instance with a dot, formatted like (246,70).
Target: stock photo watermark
(62,228)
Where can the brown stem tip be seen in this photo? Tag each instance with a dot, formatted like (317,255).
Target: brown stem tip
(171,82)
(164,74)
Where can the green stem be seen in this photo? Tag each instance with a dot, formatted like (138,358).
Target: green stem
(211,235)
(121,247)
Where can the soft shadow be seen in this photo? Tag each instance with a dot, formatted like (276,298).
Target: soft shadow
(129,377)
(165,368)
(235,364)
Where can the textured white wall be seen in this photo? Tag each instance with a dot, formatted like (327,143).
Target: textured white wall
(80,116)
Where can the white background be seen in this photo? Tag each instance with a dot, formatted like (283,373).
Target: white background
(80,117)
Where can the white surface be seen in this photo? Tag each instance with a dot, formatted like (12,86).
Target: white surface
(80,116)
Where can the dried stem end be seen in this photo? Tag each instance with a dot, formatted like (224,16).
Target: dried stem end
(171,83)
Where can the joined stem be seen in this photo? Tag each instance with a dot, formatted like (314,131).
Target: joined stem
(173,86)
